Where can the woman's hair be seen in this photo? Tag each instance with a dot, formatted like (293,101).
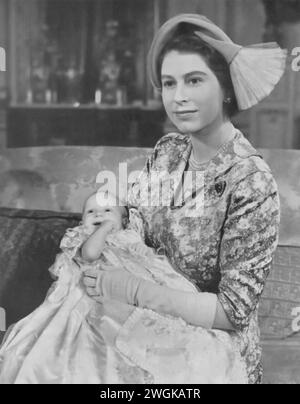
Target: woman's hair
(186,41)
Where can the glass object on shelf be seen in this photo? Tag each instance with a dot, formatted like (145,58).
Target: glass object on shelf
(65,50)
(43,56)
(109,75)
(115,66)
(38,81)
(98,96)
(68,83)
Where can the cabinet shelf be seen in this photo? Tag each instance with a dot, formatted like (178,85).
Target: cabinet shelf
(66,54)
(39,125)
(91,106)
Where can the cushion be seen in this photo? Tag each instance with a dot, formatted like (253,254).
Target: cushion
(29,242)
(280,303)
(280,318)
(60,178)
(281,362)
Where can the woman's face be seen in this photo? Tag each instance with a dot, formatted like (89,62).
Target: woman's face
(191,92)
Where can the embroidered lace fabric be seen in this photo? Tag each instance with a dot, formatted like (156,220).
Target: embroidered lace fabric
(72,339)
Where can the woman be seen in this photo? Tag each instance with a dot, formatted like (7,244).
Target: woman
(225,243)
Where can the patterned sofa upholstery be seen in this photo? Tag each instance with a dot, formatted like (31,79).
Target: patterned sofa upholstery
(51,184)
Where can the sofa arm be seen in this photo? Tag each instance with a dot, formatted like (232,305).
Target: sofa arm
(29,243)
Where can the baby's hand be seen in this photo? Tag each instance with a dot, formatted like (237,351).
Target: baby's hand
(107,226)
(140,249)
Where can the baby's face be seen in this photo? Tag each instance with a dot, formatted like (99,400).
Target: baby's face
(95,214)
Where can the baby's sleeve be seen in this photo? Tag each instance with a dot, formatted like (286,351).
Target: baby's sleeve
(61,262)
(72,242)
(136,222)
(136,225)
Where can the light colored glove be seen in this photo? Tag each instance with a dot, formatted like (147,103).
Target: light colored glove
(195,308)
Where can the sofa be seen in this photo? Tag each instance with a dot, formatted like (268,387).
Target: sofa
(42,192)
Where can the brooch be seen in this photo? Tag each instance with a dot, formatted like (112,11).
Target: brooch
(220,187)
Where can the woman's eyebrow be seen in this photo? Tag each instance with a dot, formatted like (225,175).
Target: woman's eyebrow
(194,72)
(198,72)
(166,76)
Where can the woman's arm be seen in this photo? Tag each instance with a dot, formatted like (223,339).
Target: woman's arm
(221,321)
(200,309)
(248,244)
(92,248)
(247,247)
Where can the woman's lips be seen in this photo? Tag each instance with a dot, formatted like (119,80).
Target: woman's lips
(185,114)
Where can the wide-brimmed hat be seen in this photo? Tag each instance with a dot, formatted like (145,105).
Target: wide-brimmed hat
(255,70)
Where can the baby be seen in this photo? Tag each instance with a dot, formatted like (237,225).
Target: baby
(72,339)
(109,239)
(101,219)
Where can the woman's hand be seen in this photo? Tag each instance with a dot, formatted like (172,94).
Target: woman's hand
(90,276)
(195,308)
(112,283)
(113,309)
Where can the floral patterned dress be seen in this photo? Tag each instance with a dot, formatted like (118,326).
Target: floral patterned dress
(227,248)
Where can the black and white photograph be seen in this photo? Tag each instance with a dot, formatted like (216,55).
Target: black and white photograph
(149,194)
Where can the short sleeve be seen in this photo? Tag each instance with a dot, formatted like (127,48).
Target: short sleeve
(136,222)
(61,262)
(72,242)
(248,244)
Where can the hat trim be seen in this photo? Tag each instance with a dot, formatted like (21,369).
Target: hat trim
(255,70)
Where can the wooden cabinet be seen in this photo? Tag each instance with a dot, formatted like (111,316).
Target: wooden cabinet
(3,129)
(78,74)
(64,50)
(272,122)
(84,125)
(59,52)
(3,74)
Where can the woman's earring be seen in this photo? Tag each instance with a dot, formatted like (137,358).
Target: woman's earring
(227,100)
(125,222)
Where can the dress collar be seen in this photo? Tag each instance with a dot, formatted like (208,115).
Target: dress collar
(227,156)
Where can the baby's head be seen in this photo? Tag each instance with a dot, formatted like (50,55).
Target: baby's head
(102,206)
